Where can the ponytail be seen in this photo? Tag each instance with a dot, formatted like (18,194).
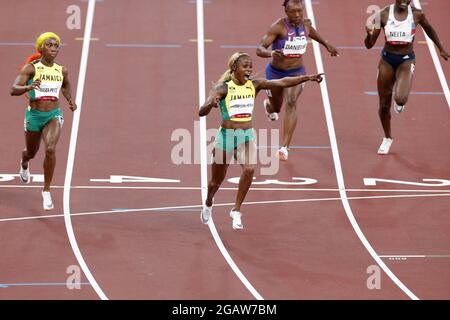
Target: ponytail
(225,77)
(33,57)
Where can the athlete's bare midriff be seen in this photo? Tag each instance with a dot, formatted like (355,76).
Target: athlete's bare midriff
(228,124)
(286,63)
(44,105)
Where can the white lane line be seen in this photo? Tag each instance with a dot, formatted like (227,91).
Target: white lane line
(231,189)
(231,262)
(407,256)
(202,97)
(218,205)
(337,163)
(436,61)
(203,155)
(72,147)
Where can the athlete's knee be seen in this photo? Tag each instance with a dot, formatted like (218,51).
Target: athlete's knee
(29,155)
(275,106)
(214,184)
(50,149)
(249,169)
(291,103)
(401,99)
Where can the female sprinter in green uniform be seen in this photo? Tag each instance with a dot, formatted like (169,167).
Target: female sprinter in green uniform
(235,94)
(42,78)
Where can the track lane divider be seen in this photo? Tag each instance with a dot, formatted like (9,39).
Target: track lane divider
(337,164)
(436,61)
(203,153)
(72,148)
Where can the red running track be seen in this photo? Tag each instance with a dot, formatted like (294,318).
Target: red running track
(142,85)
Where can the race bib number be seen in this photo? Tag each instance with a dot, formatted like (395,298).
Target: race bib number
(241,108)
(295,47)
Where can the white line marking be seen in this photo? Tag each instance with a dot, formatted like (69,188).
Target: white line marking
(220,205)
(230,189)
(203,155)
(337,162)
(202,97)
(122,179)
(72,147)
(437,182)
(404,256)
(436,61)
(417,256)
(231,262)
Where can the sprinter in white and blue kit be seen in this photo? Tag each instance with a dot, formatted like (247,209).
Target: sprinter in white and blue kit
(397,63)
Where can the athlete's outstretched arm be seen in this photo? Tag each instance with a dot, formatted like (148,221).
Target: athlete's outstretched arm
(285,82)
(66,91)
(263,49)
(313,34)
(217,93)
(429,30)
(19,86)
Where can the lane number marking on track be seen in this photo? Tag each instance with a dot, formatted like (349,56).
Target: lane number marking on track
(39,178)
(122,179)
(300,181)
(438,182)
(5,177)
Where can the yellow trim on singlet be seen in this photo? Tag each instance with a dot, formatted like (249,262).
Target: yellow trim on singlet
(239,103)
(51,80)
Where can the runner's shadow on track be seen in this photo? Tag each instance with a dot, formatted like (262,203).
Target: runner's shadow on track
(399,162)
(415,165)
(14,203)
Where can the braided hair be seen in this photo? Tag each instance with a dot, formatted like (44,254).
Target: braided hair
(286,2)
